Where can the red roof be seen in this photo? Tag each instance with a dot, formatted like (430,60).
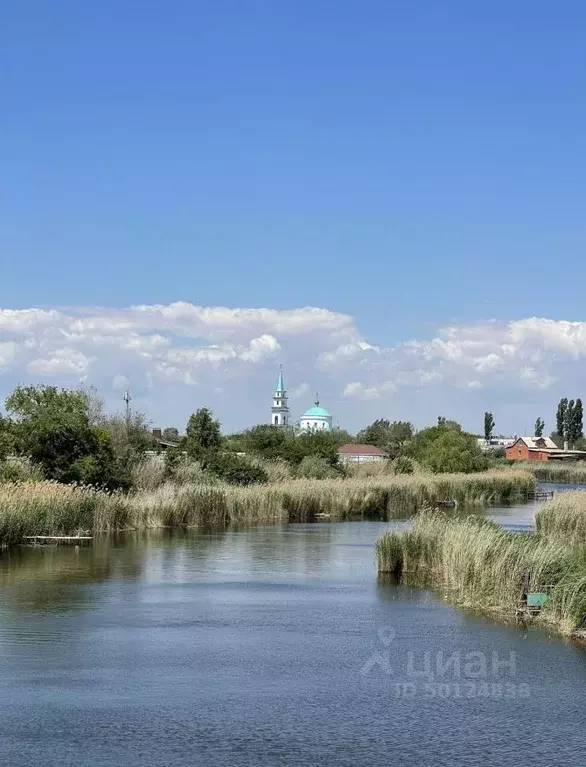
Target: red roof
(351,449)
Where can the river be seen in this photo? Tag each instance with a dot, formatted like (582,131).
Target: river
(268,646)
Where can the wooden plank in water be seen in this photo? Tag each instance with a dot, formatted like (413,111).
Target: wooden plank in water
(446,504)
(59,539)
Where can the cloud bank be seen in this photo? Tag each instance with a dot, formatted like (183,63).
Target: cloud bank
(181,353)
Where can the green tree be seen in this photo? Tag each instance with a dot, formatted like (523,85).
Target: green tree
(52,427)
(202,436)
(403,465)
(316,467)
(270,442)
(391,437)
(171,434)
(488,425)
(173,457)
(446,423)
(130,436)
(6,438)
(576,424)
(454,451)
(418,446)
(315,443)
(569,421)
(28,403)
(560,417)
(539,427)
(235,469)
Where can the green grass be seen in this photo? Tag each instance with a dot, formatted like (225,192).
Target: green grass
(47,508)
(479,564)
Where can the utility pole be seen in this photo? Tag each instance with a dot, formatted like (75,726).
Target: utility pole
(127,400)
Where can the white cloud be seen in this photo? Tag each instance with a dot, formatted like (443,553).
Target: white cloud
(261,348)
(8,354)
(299,391)
(233,353)
(525,354)
(120,382)
(62,362)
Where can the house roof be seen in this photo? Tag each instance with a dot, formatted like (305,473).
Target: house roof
(539,442)
(352,449)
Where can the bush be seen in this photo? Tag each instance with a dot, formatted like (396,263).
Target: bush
(316,467)
(403,465)
(315,443)
(277,471)
(182,470)
(236,471)
(447,449)
(266,441)
(453,452)
(149,472)
(52,427)
(20,470)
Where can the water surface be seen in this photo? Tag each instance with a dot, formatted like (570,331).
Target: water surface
(267,646)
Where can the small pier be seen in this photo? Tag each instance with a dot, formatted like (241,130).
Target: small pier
(445,505)
(58,540)
(539,495)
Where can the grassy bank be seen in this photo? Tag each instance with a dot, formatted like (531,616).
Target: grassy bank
(48,508)
(564,516)
(482,566)
(549,471)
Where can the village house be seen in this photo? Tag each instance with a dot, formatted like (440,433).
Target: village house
(541,449)
(351,453)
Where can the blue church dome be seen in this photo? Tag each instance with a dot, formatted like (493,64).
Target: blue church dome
(317,411)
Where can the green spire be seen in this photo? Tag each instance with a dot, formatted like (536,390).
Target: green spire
(280,385)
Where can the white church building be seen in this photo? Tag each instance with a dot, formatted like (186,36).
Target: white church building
(316,418)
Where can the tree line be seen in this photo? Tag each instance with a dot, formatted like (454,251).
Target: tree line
(68,437)
(569,424)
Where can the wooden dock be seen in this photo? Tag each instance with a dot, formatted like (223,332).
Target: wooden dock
(539,495)
(445,505)
(58,540)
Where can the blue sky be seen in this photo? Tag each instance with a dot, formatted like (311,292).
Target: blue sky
(416,167)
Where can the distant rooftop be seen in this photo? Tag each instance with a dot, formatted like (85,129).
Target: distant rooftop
(359,449)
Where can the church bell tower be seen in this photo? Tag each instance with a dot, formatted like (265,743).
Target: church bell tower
(280,408)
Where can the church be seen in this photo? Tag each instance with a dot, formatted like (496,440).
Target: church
(315,418)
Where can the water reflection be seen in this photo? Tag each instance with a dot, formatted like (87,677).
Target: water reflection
(264,646)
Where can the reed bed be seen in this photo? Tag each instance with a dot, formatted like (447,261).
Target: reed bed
(564,515)
(483,566)
(47,508)
(549,471)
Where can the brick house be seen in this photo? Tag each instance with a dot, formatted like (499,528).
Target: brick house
(540,449)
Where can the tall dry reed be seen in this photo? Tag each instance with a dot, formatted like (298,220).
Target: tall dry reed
(482,565)
(564,515)
(47,508)
(550,471)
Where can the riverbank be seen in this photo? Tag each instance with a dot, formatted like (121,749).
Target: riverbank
(479,565)
(564,516)
(48,508)
(550,471)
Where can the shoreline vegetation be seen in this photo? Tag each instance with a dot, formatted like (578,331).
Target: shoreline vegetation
(50,508)
(549,471)
(479,565)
